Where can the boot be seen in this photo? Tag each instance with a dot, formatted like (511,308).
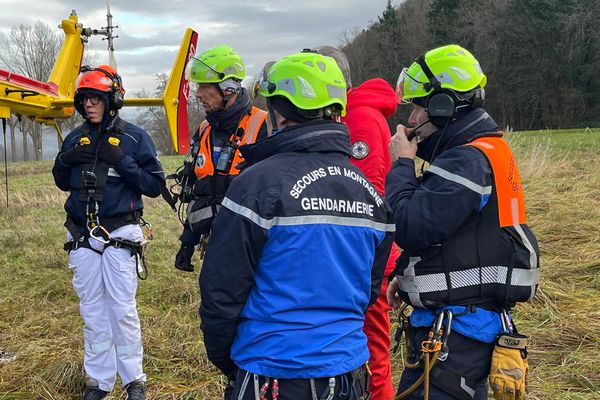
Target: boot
(183,259)
(92,392)
(136,390)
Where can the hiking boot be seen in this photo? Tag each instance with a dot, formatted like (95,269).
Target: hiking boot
(136,390)
(183,259)
(94,393)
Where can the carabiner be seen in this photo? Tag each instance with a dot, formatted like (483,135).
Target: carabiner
(104,235)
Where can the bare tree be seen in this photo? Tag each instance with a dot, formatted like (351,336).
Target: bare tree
(154,120)
(30,51)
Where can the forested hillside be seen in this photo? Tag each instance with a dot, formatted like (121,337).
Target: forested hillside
(542,57)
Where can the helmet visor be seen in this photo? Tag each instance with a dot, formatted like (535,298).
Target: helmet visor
(400,86)
(264,86)
(404,80)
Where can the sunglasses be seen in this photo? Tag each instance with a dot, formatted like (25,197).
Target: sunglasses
(94,99)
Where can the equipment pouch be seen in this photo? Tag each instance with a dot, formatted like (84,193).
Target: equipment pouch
(225,159)
(509,368)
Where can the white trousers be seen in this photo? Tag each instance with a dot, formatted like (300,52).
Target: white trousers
(106,285)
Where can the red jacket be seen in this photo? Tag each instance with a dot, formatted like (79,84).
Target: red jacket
(366,111)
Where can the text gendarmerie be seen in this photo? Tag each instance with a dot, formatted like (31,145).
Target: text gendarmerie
(344,206)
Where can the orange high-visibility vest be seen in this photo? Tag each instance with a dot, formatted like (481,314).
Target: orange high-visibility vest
(250,124)
(492,258)
(511,203)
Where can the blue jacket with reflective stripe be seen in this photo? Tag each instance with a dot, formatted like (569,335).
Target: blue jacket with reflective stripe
(139,173)
(296,255)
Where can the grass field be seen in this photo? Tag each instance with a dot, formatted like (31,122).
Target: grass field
(39,314)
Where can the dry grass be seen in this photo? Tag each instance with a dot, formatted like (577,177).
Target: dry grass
(39,317)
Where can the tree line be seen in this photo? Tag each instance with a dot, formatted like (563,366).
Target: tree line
(541,57)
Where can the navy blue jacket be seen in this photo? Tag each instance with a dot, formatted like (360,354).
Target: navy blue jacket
(139,173)
(430,209)
(296,255)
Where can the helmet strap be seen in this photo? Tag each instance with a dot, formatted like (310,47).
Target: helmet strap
(271,110)
(226,97)
(433,82)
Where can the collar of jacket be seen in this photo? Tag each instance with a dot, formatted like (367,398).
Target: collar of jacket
(226,121)
(309,137)
(467,126)
(107,125)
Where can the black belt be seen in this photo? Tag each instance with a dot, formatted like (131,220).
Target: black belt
(109,223)
(79,244)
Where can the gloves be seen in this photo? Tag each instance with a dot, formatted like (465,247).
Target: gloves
(393,298)
(80,154)
(509,368)
(110,152)
(183,259)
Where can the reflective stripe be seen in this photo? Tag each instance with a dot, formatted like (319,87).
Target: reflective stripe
(533,264)
(132,138)
(305,219)
(246,212)
(469,277)
(410,271)
(532,254)
(112,172)
(465,387)
(481,190)
(132,348)
(201,214)
(98,348)
(257,119)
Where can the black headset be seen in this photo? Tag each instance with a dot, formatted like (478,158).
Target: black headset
(115,96)
(442,104)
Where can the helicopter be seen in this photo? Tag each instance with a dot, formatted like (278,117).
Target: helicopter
(49,102)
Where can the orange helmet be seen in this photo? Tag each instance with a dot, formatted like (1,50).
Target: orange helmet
(103,79)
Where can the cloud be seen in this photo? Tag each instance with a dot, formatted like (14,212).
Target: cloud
(150,31)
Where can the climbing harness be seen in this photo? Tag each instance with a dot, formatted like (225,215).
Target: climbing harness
(92,195)
(352,385)
(433,348)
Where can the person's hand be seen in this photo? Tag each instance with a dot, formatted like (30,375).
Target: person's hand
(80,154)
(393,298)
(110,152)
(508,373)
(400,146)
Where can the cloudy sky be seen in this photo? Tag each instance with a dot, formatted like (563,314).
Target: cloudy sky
(150,31)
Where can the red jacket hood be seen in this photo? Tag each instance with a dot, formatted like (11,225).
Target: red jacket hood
(375,93)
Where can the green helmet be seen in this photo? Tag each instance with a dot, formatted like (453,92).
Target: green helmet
(217,64)
(454,67)
(309,80)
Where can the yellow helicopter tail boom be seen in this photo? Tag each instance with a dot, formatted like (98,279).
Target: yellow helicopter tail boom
(176,94)
(66,69)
